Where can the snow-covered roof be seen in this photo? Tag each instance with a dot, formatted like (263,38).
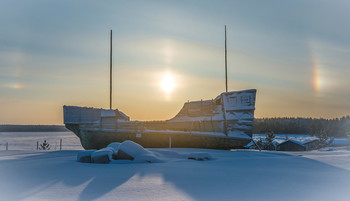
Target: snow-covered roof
(293,141)
(307,141)
(107,113)
(340,142)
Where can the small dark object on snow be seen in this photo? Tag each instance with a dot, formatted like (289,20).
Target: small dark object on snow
(199,156)
(44,146)
(198,159)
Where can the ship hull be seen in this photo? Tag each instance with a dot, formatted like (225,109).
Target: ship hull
(97,139)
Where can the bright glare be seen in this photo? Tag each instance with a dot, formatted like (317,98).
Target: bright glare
(168,83)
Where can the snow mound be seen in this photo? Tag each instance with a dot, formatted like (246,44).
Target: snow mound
(115,146)
(149,158)
(131,152)
(131,149)
(126,150)
(85,156)
(104,155)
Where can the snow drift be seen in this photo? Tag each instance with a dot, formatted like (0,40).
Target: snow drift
(130,151)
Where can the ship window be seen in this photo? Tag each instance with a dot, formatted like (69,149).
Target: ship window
(246,99)
(233,100)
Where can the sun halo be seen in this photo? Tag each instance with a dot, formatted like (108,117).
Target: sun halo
(168,83)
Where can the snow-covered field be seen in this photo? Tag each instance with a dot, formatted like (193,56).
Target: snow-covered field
(28,140)
(231,175)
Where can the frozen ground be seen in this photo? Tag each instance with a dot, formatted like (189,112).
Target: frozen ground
(231,175)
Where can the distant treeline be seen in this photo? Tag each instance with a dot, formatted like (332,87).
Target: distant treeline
(32,128)
(338,127)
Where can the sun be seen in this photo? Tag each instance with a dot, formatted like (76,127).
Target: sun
(168,83)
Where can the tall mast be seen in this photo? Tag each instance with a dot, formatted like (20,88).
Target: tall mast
(225,60)
(110,74)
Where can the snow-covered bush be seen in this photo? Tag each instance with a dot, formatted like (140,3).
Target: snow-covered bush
(44,146)
(266,143)
(104,155)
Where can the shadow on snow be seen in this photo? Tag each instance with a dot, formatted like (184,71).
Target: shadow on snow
(237,175)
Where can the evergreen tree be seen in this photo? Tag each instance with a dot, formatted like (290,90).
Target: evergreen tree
(270,137)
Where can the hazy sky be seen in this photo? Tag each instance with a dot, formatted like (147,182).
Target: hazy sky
(54,53)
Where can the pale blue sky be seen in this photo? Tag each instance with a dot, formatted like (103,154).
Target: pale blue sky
(54,53)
